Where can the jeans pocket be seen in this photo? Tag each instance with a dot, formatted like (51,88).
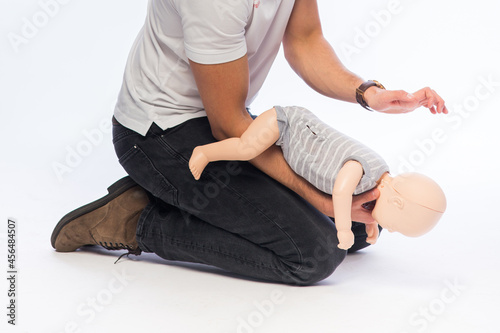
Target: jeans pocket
(142,170)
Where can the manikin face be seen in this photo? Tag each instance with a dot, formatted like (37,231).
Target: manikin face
(399,206)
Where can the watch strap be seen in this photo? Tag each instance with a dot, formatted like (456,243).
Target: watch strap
(360,92)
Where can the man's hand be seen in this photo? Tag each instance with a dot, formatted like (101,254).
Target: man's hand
(358,211)
(399,101)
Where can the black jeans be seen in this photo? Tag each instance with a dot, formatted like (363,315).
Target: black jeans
(235,217)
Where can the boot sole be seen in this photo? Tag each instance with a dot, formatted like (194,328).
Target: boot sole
(118,188)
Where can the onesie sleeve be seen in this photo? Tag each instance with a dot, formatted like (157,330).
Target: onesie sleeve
(214,30)
(282,120)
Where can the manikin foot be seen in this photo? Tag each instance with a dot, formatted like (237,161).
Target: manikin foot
(197,162)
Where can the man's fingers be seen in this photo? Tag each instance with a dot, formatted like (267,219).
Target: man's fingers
(441,108)
(429,95)
(436,103)
(428,98)
(362,216)
(360,213)
(367,196)
(366,200)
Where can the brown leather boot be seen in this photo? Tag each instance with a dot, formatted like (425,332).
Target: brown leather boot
(110,221)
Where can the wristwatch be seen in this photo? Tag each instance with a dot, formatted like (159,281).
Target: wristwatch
(360,92)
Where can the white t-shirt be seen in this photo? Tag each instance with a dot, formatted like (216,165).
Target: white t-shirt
(158,84)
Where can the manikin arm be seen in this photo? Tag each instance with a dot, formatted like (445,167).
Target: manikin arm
(372,232)
(345,184)
(258,137)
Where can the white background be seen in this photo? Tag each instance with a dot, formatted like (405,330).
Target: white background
(62,82)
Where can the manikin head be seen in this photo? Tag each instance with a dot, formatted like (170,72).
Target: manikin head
(409,203)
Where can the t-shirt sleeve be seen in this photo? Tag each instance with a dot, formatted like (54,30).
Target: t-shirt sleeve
(214,30)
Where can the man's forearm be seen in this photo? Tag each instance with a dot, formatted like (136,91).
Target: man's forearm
(274,164)
(315,61)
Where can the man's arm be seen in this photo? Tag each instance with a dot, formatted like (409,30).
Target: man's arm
(312,57)
(223,89)
(315,61)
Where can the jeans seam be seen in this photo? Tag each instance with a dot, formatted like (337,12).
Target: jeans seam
(205,249)
(141,229)
(117,137)
(175,154)
(136,149)
(141,232)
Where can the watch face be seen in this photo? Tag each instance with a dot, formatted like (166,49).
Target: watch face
(378,84)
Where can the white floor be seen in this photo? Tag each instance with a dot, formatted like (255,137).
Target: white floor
(58,86)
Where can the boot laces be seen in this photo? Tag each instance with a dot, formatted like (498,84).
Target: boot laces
(120,246)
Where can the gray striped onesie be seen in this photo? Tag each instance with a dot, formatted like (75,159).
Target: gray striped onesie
(316,151)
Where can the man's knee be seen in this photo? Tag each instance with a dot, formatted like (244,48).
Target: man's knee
(319,262)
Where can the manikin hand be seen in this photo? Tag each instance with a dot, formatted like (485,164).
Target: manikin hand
(359,213)
(346,239)
(399,101)
(372,232)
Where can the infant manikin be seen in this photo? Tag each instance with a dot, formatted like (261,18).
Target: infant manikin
(409,203)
